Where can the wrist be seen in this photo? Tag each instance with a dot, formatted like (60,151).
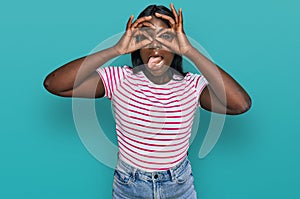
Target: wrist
(117,50)
(190,52)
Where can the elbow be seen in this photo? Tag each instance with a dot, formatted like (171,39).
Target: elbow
(241,107)
(49,86)
(55,88)
(245,107)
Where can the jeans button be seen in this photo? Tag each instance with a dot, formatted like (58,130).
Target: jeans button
(155,176)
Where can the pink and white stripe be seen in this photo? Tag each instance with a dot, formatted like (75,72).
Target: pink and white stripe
(153,122)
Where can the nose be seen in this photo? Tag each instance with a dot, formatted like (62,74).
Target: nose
(155,44)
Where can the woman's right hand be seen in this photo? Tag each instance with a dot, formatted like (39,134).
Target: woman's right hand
(135,36)
(69,81)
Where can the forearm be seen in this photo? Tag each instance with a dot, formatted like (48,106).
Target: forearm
(228,91)
(73,73)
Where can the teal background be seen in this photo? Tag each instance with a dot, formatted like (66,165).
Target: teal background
(257,42)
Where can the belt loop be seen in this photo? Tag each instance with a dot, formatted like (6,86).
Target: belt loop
(134,173)
(172,174)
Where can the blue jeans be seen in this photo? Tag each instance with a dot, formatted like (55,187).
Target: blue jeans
(177,183)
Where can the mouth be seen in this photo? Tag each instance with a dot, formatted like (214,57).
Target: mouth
(155,61)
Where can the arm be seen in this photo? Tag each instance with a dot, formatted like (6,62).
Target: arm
(79,78)
(223,94)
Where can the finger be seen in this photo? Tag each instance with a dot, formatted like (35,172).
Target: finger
(143,28)
(174,12)
(166,31)
(143,43)
(147,24)
(167,44)
(142,35)
(180,17)
(140,20)
(129,22)
(149,32)
(168,18)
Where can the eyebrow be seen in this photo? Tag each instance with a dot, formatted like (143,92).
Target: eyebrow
(160,30)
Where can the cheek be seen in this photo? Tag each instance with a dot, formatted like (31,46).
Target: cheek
(169,59)
(143,55)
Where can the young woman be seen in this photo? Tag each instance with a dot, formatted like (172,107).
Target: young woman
(154,101)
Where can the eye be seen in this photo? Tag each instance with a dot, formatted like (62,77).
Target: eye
(167,36)
(139,38)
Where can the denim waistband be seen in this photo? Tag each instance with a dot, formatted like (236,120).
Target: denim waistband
(163,175)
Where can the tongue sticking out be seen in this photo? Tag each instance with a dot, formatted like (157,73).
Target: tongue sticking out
(153,61)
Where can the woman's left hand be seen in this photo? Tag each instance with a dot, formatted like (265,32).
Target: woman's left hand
(174,38)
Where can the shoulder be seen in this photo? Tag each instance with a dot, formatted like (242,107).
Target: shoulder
(192,77)
(195,80)
(121,68)
(114,70)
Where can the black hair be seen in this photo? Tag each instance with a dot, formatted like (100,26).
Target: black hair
(150,11)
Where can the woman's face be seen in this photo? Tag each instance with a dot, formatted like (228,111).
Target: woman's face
(156,57)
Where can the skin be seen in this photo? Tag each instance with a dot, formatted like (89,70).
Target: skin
(157,74)
(79,78)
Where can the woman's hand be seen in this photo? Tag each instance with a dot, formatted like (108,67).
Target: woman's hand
(136,36)
(174,38)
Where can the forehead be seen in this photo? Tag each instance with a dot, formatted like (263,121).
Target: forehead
(158,22)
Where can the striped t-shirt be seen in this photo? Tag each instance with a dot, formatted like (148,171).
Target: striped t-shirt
(153,122)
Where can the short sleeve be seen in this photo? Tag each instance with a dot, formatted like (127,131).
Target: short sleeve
(111,77)
(198,82)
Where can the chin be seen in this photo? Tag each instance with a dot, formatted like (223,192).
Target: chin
(158,72)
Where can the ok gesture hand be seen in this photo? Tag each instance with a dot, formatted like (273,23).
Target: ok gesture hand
(136,36)
(174,38)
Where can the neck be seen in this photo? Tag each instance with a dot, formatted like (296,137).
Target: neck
(161,79)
